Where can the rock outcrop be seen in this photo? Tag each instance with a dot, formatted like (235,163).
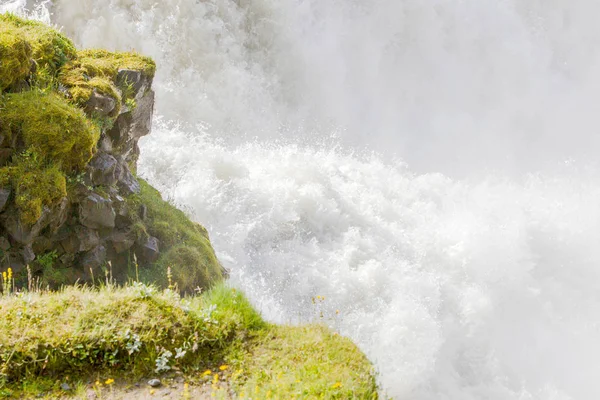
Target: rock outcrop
(71,206)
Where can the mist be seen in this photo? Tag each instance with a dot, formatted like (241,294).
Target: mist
(427,166)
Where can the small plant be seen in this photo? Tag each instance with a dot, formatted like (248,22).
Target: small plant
(162,361)
(131,104)
(7,282)
(46,261)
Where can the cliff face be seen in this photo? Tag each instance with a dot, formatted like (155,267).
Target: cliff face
(71,206)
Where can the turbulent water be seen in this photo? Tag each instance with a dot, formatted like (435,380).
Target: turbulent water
(425,165)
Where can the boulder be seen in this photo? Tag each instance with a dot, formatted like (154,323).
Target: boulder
(127,183)
(96,212)
(122,241)
(20,232)
(81,239)
(103,168)
(148,251)
(94,258)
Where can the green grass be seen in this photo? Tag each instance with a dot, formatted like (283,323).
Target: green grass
(185,246)
(138,331)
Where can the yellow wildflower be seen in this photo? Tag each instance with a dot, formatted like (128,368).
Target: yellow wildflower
(9,273)
(4,275)
(336,385)
(223,367)
(207,372)
(109,381)
(98,383)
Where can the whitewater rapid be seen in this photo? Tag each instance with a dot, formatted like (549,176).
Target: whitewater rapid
(426,166)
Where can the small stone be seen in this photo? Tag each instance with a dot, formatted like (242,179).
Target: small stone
(154,382)
(65,386)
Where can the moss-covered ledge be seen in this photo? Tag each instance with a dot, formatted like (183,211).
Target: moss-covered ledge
(71,206)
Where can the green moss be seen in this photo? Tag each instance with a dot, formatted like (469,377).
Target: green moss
(97,70)
(15,56)
(108,63)
(50,49)
(82,80)
(50,127)
(35,186)
(184,245)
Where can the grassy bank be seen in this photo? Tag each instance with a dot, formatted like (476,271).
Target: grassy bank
(80,335)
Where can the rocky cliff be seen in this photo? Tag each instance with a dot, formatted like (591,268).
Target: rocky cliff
(71,206)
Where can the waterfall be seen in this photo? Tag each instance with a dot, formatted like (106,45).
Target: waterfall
(426,166)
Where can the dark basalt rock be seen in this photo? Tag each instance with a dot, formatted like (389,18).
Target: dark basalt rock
(94,258)
(96,212)
(100,104)
(103,169)
(148,251)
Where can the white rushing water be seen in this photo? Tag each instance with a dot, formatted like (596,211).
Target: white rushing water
(468,270)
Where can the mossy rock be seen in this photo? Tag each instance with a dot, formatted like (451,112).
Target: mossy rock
(50,49)
(96,70)
(15,56)
(55,139)
(51,128)
(184,245)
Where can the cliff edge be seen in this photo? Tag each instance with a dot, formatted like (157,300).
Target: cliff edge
(71,207)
